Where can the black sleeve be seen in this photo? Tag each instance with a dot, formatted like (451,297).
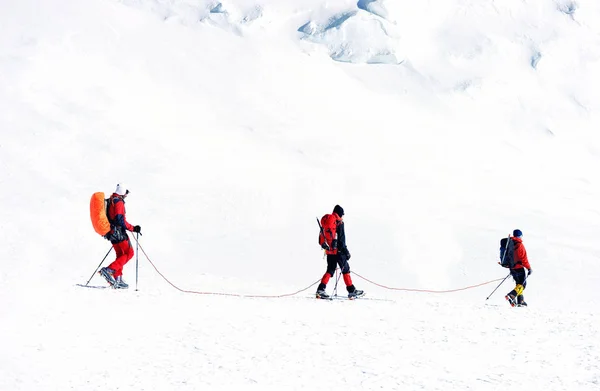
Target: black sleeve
(341,236)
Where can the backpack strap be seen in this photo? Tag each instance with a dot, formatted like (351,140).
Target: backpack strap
(110,202)
(107,204)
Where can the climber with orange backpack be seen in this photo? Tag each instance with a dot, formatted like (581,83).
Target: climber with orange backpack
(332,238)
(108,219)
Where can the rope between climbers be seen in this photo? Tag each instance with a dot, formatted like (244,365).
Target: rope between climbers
(308,287)
(219,293)
(426,290)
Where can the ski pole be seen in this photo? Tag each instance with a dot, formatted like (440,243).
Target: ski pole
(137,245)
(337,278)
(344,267)
(498,286)
(86,284)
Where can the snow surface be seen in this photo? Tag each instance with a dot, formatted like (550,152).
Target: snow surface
(439,126)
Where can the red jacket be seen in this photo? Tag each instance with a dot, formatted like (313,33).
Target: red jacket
(116,213)
(521,260)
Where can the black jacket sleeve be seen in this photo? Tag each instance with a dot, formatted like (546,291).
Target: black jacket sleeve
(341,238)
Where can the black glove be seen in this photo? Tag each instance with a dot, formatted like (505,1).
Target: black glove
(325,246)
(137,229)
(347,253)
(528,272)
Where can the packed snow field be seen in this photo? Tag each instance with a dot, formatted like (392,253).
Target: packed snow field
(439,126)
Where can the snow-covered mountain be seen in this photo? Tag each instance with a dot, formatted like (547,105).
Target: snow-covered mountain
(439,126)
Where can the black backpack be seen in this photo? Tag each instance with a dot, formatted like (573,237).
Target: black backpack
(507,253)
(117,233)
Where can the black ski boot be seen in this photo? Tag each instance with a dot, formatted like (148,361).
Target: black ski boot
(511,298)
(355,293)
(107,273)
(120,284)
(321,294)
(521,301)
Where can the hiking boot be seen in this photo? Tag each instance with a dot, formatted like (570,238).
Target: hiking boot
(355,293)
(511,298)
(521,301)
(321,294)
(120,284)
(107,273)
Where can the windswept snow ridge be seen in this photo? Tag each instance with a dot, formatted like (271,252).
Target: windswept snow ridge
(376,7)
(230,16)
(356,37)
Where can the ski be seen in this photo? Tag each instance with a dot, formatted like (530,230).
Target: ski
(345,298)
(92,286)
(323,297)
(351,298)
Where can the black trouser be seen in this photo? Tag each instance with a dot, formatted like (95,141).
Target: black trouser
(519,276)
(520,279)
(332,263)
(337,259)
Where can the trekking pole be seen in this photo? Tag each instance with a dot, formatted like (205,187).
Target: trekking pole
(137,245)
(86,284)
(336,282)
(498,286)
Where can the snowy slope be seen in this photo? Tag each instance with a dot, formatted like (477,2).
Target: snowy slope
(439,126)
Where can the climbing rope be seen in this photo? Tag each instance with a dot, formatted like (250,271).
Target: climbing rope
(219,293)
(426,290)
(308,287)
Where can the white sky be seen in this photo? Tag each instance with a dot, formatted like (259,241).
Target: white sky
(439,126)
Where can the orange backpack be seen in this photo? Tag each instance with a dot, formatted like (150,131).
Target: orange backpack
(98,214)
